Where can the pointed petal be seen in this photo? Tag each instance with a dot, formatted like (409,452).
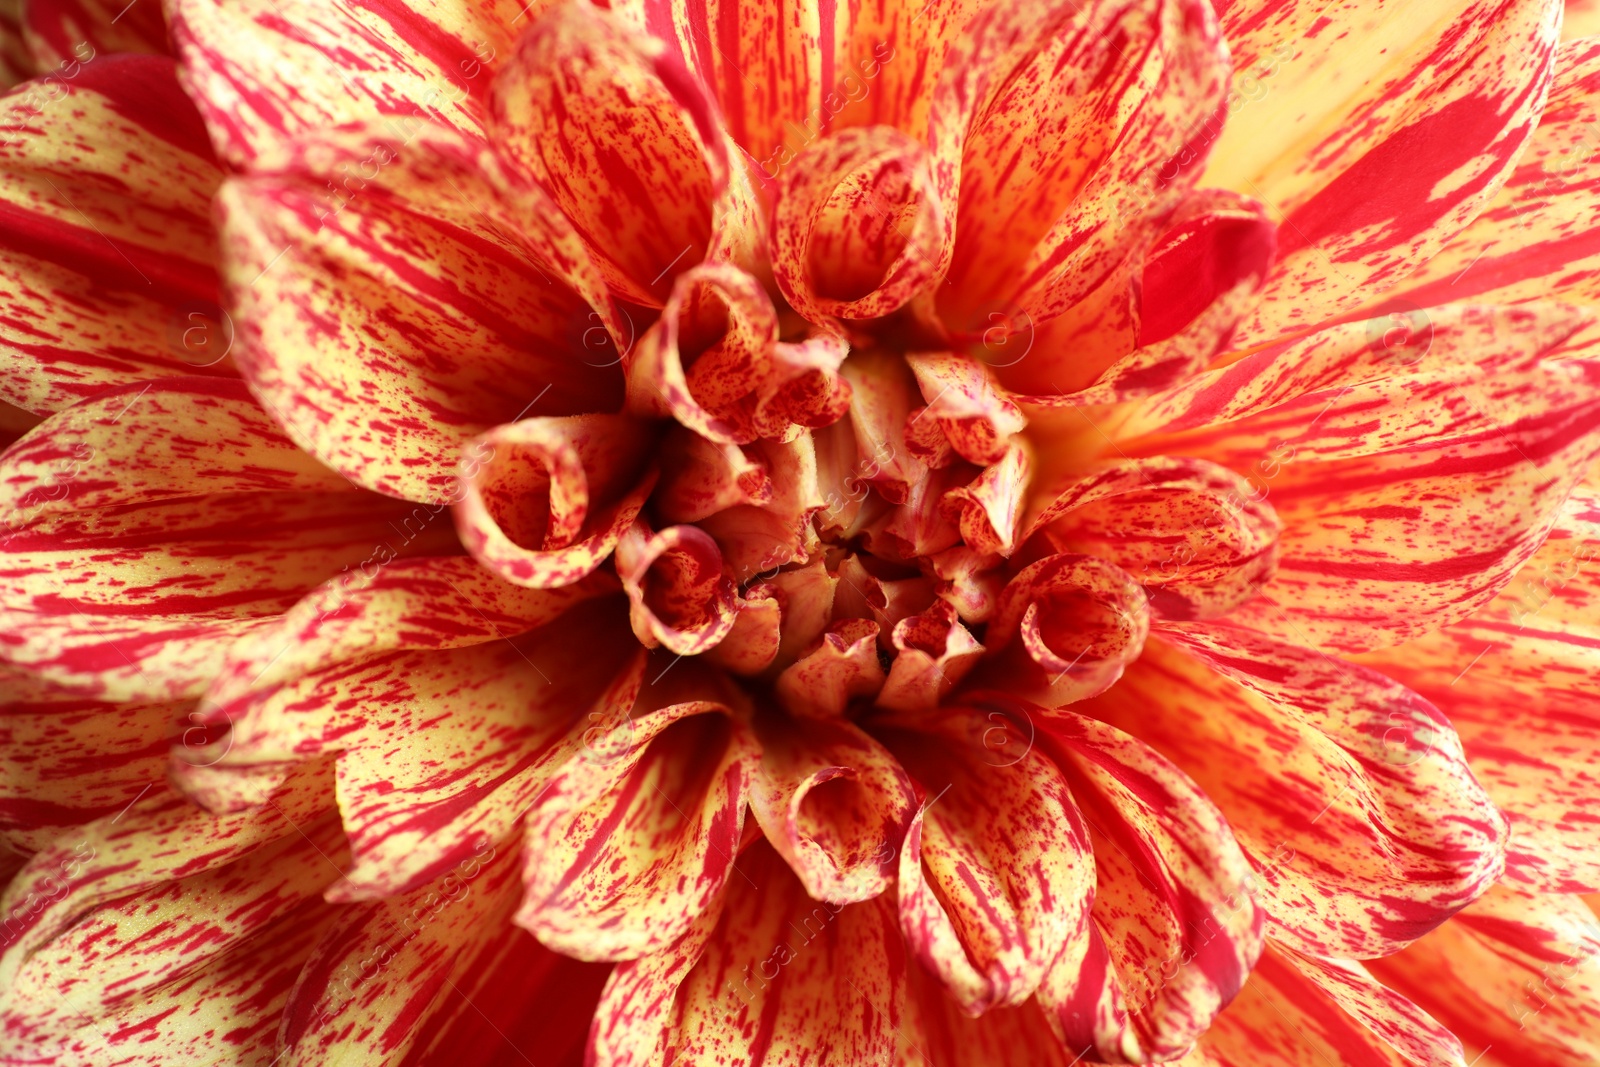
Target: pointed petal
(1537,758)
(995,875)
(1190,531)
(1516,976)
(438,687)
(1299,1011)
(1049,126)
(781,978)
(626,142)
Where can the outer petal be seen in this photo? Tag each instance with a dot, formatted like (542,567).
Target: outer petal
(1441,444)
(1537,757)
(409,62)
(66,761)
(107,253)
(1436,119)
(1533,241)
(1299,1011)
(630,849)
(1516,977)
(1175,927)
(150,526)
(1361,816)
(425,298)
(995,873)
(195,969)
(447,728)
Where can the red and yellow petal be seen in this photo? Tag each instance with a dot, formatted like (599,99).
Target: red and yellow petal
(109,256)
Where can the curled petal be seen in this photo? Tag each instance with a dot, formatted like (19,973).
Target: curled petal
(934,653)
(843,666)
(675,583)
(858,229)
(1066,627)
(758,538)
(752,644)
(1199,537)
(702,477)
(707,354)
(630,850)
(109,266)
(964,402)
(804,387)
(989,508)
(970,580)
(625,140)
(996,876)
(834,803)
(1343,817)
(1175,929)
(887,601)
(544,501)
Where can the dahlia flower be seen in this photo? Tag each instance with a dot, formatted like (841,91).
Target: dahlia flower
(969,532)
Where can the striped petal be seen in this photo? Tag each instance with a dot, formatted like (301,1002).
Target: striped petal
(193,970)
(1065,629)
(834,803)
(1048,127)
(151,526)
(626,850)
(58,33)
(544,501)
(1300,1011)
(776,977)
(1516,977)
(107,252)
(384,967)
(1190,531)
(858,229)
(995,875)
(398,295)
(1538,758)
(1530,242)
(437,686)
(626,142)
(66,761)
(966,406)
(1411,481)
(1175,927)
(1437,119)
(1360,815)
(408,63)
